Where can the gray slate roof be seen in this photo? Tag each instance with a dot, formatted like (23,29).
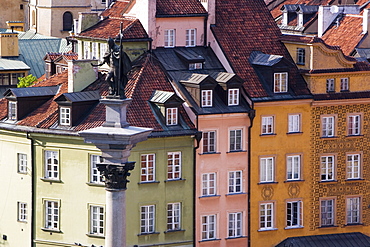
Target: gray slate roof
(7,64)
(32,91)
(259,58)
(80,96)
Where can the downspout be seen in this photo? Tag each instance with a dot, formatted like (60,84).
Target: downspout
(198,137)
(205,31)
(33,194)
(252,114)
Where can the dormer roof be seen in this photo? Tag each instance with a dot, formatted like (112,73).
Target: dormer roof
(190,56)
(31,92)
(163,97)
(180,8)
(79,96)
(7,64)
(260,58)
(197,79)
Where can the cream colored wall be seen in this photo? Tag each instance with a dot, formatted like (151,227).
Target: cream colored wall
(15,187)
(11,11)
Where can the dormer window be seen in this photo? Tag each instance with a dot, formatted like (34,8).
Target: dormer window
(206,98)
(190,37)
(301,55)
(193,66)
(12,110)
(330,86)
(171,116)
(233,96)
(65,116)
(281,82)
(169,38)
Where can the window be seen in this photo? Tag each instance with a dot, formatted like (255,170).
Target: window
(67,21)
(208,227)
(193,66)
(235,225)
(344,86)
(52,215)
(22,211)
(87,48)
(147,219)
(190,37)
(294,214)
(174,165)
(233,96)
(97,220)
(330,85)
(328,126)
(267,169)
(95,176)
(327,168)
(236,140)
(171,116)
(267,216)
(280,82)
(327,212)
(103,1)
(65,116)
(103,50)
(51,165)
(209,141)
(22,163)
(206,98)
(209,184)
(301,56)
(294,123)
(353,210)
(147,167)
(353,166)
(267,125)
(12,110)
(354,125)
(169,38)
(173,216)
(294,167)
(94,50)
(235,181)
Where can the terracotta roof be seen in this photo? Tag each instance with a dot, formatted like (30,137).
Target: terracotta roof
(117,9)
(239,34)
(180,8)
(347,35)
(110,27)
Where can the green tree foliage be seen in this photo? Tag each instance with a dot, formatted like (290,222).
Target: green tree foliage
(26,81)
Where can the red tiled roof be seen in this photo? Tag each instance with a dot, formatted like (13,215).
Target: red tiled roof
(110,27)
(180,7)
(117,9)
(238,34)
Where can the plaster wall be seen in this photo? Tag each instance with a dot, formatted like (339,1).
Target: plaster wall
(13,13)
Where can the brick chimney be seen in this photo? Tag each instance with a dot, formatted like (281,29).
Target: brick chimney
(9,45)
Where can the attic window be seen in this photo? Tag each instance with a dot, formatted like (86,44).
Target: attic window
(330,87)
(281,82)
(12,110)
(301,53)
(169,38)
(171,116)
(233,96)
(190,37)
(193,66)
(206,98)
(65,116)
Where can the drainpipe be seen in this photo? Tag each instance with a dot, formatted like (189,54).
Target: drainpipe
(252,114)
(205,31)
(198,137)
(33,194)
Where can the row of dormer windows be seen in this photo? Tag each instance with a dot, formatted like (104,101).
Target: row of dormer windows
(232,98)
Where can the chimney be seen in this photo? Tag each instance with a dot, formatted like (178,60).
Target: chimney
(86,20)
(285,17)
(145,10)
(210,6)
(81,74)
(365,21)
(9,45)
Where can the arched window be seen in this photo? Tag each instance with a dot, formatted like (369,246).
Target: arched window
(33,18)
(67,21)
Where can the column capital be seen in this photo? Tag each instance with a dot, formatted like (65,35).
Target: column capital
(116,175)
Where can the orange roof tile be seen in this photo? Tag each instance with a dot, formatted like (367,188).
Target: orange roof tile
(180,8)
(117,9)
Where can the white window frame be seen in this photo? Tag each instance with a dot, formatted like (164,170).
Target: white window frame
(344,85)
(209,141)
(267,125)
(102,50)
(147,168)
(233,96)
(169,38)
(267,169)
(328,126)
(22,211)
(281,82)
(301,56)
(97,220)
(354,124)
(194,66)
(12,110)
(209,224)
(65,116)
(174,216)
(51,164)
(22,163)
(267,216)
(52,214)
(327,212)
(174,165)
(95,176)
(330,85)
(294,214)
(327,168)
(293,167)
(235,182)
(94,50)
(353,210)
(235,140)
(235,226)
(87,49)
(191,36)
(171,116)
(354,166)
(207,98)
(294,123)
(209,186)
(147,219)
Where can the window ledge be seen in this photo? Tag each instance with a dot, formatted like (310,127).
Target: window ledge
(149,182)
(95,184)
(267,183)
(328,226)
(354,135)
(354,224)
(272,134)
(293,227)
(173,180)
(147,233)
(209,153)
(236,193)
(228,238)
(210,196)
(51,230)
(22,221)
(294,133)
(329,137)
(328,181)
(267,229)
(179,230)
(208,240)
(354,179)
(292,180)
(95,235)
(237,151)
(51,180)
(22,173)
